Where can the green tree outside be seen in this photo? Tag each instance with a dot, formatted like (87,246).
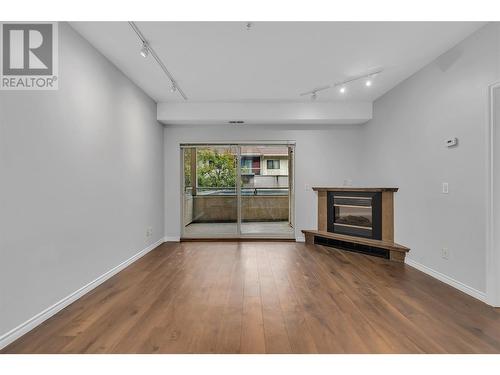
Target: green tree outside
(216,169)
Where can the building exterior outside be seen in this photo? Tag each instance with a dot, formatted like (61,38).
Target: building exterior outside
(265,167)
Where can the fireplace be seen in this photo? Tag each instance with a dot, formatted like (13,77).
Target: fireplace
(355,214)
(357,219)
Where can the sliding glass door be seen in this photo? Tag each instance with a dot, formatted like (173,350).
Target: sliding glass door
(264,190)
(210,198)
(232,191)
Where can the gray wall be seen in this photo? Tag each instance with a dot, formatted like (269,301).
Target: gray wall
(324,155)
(81,179)
(404,146)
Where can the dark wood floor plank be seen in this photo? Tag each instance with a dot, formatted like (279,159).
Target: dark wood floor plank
(210,317)
(229,333)
(440,336)
(389,322)
(175,316)
(275,332)
(267,297)
(127,308)
(299,332)
(326,331)
(428,314)
(252,327)
(360,336)
(77,317)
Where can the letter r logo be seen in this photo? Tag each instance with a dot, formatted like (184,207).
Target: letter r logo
(27,49)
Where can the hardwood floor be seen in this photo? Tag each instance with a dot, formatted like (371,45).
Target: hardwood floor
(267,297)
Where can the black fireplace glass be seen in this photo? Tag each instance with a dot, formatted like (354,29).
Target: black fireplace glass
(354,214)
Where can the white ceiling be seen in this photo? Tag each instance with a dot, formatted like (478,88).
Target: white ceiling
(273,61)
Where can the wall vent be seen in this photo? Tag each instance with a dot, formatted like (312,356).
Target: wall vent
(236,122)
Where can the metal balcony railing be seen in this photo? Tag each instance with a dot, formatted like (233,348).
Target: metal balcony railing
(245,191)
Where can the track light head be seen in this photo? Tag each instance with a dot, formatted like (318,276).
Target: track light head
(342,90)
(249,25)
(368,83)
(173,88)
(314,96)
(144,50)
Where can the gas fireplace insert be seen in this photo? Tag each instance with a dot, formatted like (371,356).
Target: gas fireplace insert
(355,214)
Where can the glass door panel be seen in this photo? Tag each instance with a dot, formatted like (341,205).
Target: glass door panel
(210,199)
(265,191)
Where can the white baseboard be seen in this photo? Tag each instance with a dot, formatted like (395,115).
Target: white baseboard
(31,323)
(172,239)
(300,239)
(448,280)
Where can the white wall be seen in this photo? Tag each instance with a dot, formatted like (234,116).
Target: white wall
(81,174)
(404,146)
(332,150)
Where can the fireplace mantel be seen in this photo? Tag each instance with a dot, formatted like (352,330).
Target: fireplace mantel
(356,189)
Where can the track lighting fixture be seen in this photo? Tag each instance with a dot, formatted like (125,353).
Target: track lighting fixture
(314,96)
(343,84)
(144,50)
(249,25)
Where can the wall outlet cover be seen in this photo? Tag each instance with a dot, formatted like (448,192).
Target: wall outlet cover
(445,188)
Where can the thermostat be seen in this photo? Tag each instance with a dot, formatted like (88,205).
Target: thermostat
(451,142)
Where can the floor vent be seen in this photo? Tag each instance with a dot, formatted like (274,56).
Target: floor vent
(354,247)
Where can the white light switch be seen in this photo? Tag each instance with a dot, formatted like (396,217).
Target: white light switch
(445,188)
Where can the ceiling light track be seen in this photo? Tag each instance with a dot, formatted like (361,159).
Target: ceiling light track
(147,49)
(343,84)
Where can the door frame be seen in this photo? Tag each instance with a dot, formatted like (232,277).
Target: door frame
(492,203)
(239,234)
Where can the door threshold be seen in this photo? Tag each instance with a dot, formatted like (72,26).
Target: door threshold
(247,239)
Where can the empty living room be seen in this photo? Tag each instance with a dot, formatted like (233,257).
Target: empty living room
(248,183)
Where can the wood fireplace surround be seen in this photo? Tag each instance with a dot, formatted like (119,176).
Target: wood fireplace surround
(357,219)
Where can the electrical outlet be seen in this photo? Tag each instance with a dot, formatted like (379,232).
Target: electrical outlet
(445,253)
(149,231)
(445,188)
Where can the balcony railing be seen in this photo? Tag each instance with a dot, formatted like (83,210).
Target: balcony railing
(250,171)
(245,191)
